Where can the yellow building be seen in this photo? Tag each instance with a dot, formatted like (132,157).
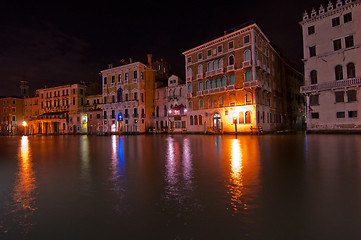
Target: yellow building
(57,110)
(238,82)
(128,98)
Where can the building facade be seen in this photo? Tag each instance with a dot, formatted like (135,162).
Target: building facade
(57,110)
(94,114)
(128,98)
(239,82)
(171,106)
(11,115)
(331,41)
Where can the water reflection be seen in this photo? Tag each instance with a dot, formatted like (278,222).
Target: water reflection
(117,170)
(24,195)
(244,170)
(85,165)
(179,173)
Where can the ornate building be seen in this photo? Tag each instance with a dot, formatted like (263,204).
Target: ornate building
(239,82)
(11,115)
(128,98)
(331,44)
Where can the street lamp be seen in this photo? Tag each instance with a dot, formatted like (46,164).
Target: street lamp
(24,125)
(235,122)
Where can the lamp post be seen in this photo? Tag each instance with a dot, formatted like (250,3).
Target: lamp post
(24,125)
(235,123)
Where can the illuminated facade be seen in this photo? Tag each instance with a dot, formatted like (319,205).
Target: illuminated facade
(128,98)
(240,82)
(57,110)
(11,115)
(171,106)
(94,114)
(331,45)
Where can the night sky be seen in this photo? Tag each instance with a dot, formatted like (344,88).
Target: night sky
(54,44)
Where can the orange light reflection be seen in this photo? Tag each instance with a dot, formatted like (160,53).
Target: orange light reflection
(24,198)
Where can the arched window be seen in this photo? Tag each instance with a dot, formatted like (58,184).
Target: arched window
(200,120)
(200,68)
(247,55)
(201,103)
(191,120)
(189,72)
(180,92)
(248,117)
(224,82)
(241,118)
(165,110)
(313,76)
(247,76)
(220,63)
(231,79)
(190,104)
(221,101)
(218,83)
(215,65)
(174,92)
(208,84)
(120,95)
(210,103)
(190,88)
(200,86)
(338,72)
(195,120)
(157,112)
(231,60)
(209,66)
(351,70)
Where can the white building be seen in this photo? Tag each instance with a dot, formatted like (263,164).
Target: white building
(332,59)
(171,106)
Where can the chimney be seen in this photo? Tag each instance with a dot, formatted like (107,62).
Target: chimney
(130,60)
(149,60)
(110,65)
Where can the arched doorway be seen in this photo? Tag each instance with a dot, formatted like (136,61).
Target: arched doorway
(217,123)
(119,122)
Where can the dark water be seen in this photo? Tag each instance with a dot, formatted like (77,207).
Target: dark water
(181,187)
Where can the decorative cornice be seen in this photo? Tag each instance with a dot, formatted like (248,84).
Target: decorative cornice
(329,11)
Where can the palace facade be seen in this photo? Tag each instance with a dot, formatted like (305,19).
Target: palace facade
(239,83)
(331,46)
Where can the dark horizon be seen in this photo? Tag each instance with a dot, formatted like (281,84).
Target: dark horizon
(58,43)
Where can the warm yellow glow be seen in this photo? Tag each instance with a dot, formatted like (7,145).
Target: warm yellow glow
(25,185)
(25,124)
(236,187)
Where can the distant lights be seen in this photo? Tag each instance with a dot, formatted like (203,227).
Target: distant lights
(25,124)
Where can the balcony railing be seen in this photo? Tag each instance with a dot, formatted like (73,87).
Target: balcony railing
(189,79)
(199,76)
(230,68)
(246,63)
(254,83)
(214,72)
(331,85)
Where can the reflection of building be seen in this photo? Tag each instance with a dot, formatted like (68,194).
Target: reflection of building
(170,106)
(331,42)
(240,78)
(11,115)
(57,110)
(128,98)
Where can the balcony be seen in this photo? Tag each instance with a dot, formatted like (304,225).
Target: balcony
(254,83)
(135,115)
(189,95)
(199,93)
(230,68)
(200,76)
(214,72)
(189,79)
(246,63)
(231,87)
(331,85)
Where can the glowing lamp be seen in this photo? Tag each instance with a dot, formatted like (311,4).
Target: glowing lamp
(25,124)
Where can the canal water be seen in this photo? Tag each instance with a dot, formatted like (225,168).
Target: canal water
(180,187)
